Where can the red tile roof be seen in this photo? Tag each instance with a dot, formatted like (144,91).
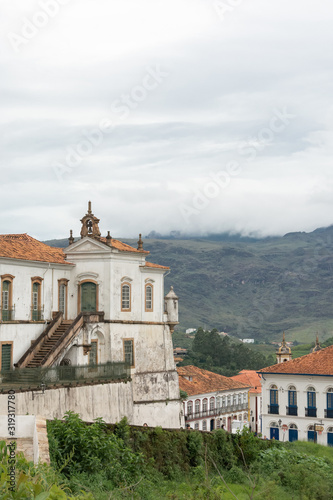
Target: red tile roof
(123,247)
(24,247)
(251,378)
(315,363)
(157,266)
(204,381)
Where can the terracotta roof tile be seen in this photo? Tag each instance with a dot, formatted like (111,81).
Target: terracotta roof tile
(123,247)
(315,363)
(251,378)
(24,247)
(204,381)
(157,266)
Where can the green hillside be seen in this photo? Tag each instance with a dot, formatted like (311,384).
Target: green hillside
(252,289)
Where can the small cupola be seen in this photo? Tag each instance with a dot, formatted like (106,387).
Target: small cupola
(90,225)
(284,352)
(171,309)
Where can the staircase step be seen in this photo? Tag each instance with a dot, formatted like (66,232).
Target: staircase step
(46,346)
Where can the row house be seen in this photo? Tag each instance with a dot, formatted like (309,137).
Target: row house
(251,378)
(213,401)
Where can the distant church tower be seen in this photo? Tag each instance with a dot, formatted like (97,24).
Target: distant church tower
(284,352)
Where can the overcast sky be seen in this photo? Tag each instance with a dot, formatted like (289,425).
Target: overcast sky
(191,115)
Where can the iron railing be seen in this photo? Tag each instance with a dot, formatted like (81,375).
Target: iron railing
(214,412)
(291,410)
(273,409)
(37,314)
(54,376)
(8,314)
(310,412)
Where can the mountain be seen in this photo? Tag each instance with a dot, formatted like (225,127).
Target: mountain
(251,289)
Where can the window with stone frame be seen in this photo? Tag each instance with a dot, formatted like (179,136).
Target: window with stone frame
(125,297)
(7,298)
(149,298)
(128,346)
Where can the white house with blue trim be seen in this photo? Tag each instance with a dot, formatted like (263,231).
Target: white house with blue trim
(297,398)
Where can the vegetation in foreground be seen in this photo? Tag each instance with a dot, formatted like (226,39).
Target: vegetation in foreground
(118,462)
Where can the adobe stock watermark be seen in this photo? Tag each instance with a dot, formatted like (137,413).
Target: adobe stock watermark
(49,9)
(222,8)
(277,124)
(121,108)
(219,181)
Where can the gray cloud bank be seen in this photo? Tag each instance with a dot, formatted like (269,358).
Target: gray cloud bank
(168,116)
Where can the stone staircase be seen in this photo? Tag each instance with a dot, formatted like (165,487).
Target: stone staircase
(43,351)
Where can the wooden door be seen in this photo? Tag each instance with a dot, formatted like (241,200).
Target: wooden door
(88,296)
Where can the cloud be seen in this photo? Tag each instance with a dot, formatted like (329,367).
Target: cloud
(225,80)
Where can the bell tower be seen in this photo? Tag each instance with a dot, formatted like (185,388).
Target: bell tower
(284,352)
(90,225)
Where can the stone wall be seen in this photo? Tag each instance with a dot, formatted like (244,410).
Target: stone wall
(111,402)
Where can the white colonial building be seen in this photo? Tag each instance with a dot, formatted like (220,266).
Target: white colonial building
(252,379)
(97,302)
(297,397)
(213,401)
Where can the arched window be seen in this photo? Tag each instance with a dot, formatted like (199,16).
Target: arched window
(189,408)
(311,410)
(149,297)
(62,296)
(88,296)
(128,349)
(235,398)
(197,405)
(212,403)
(273,408)
(7,310)
(245,417)
(274,431)
(36,305)
(329,403)
(125,297)
(204,425)
(240,417)
(196,426)
(240,396)
(292,401)
(204,404)
(229,401)
(312,434)
(223,401)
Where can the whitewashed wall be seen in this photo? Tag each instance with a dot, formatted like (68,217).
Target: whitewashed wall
(111,402)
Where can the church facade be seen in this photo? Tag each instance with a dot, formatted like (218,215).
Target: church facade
(96,302)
